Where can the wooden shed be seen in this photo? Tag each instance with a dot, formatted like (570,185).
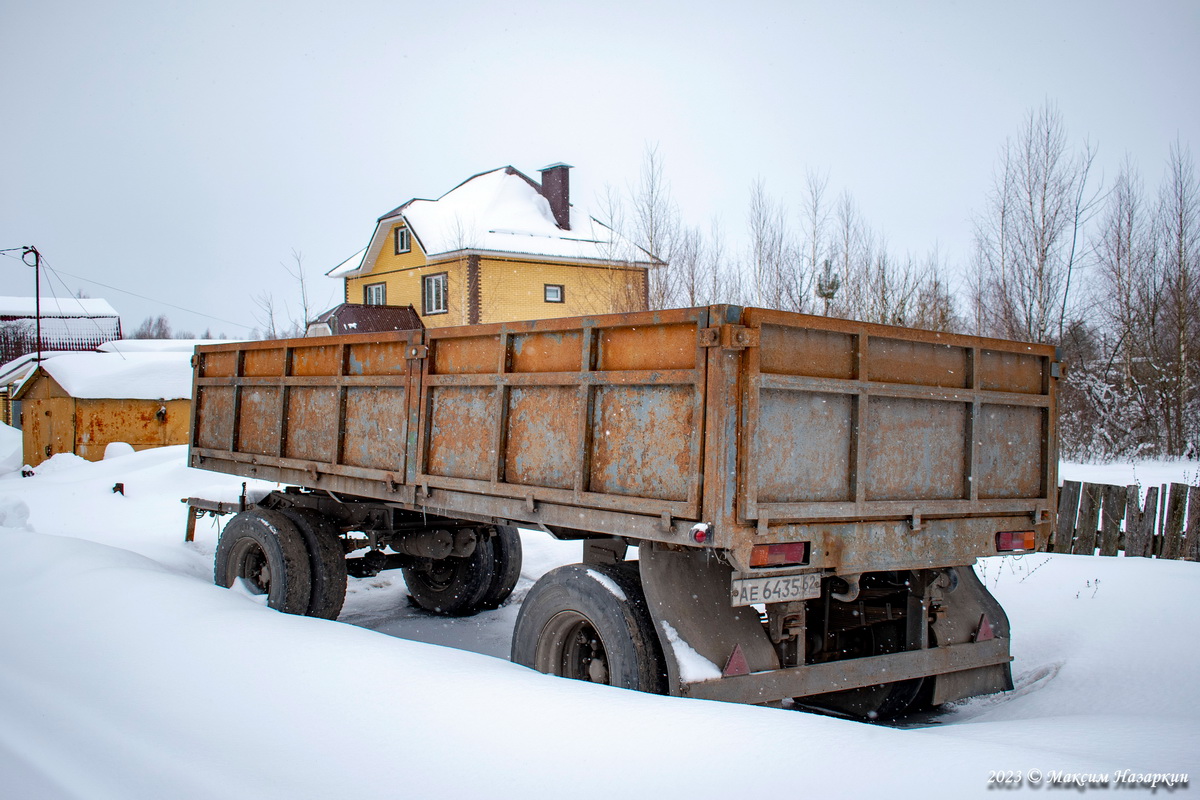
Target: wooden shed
(81,402)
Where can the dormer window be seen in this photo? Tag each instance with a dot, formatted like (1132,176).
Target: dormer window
(403,243)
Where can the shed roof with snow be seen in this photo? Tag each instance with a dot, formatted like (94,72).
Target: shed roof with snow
(132,376)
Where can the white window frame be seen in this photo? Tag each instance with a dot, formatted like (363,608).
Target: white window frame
(373,289)
(435,293)
(402,240)
(556,289)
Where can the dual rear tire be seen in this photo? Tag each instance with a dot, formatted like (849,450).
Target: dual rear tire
(462,586)
(295,557)
(292,555)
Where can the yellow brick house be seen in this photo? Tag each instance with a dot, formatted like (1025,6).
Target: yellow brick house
(498,247)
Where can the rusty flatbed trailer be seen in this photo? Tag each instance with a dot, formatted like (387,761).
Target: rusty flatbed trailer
(806,494)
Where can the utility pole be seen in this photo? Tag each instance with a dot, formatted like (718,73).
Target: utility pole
(37,293)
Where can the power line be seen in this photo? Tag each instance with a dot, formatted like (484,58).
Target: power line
(144,297)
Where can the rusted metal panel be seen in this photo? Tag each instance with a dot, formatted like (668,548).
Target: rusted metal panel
(807,438)
(311,432)
(915,449)
(139,423)
(376,428)
(917,363)
(380,357)
(213,424)
(461,422)
(543,435)
(547,351)
(258,420)
(1012,453)
(263,362)
(787,350)
(1010,371)
(222,363)
(642,439)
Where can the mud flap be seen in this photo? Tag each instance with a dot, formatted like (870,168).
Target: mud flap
(970,613)
(688,595)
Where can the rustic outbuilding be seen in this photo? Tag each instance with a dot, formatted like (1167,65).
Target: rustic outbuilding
(81,402)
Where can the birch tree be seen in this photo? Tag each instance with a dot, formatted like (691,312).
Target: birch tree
(1028,239)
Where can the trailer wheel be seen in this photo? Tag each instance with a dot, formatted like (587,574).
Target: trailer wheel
(454,586)
(326,562)
(590,623)
(265,549)
(506,554)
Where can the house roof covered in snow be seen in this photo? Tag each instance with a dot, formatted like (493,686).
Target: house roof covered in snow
(11,307)
(67,323)
(502,213)
(133,376)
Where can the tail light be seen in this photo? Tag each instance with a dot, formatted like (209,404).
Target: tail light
(779,555)
(1013,541)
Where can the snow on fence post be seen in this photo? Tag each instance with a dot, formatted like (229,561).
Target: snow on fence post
(1068,505)
(1114,512)
(1173,527)
(1140,522)
(1089,519)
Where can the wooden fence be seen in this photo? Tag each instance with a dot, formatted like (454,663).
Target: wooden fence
(1113,518)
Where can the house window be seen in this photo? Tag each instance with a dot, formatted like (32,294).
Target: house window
(554,293)
(433,294)
(375,294)
(403,245)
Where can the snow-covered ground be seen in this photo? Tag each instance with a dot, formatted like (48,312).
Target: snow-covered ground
(124,673)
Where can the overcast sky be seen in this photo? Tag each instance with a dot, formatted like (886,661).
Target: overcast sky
(182,151)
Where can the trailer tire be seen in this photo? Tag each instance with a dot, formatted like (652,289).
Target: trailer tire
(326,562)
(506,554)
(265,549)
(454,586)
(591,623)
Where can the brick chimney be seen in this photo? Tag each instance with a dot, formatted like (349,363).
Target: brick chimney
(556,187)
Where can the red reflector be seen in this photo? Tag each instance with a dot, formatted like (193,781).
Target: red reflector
(1010,541)
(778,555)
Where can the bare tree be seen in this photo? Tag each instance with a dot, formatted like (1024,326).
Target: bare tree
(153,328)
(1028,238)
(266,317)
(657,226)
(297,274)
(1178,343)
(850,252)
(777,276)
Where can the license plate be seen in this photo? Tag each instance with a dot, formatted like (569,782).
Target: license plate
(776,589)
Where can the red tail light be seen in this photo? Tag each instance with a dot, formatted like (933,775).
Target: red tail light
(1012,541)
(779,555)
